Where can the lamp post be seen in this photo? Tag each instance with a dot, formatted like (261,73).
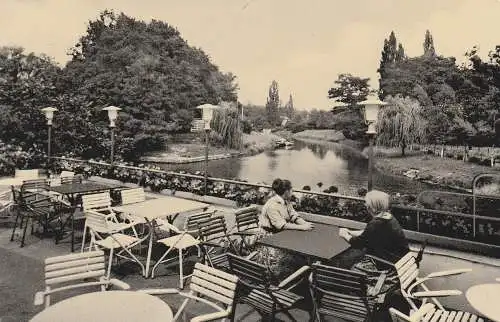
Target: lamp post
(207,115)
(112,115)
(49,115)
(371,109)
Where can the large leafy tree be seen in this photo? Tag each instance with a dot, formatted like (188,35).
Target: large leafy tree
(350,89)
(401,123)
(27,84)
(149,71)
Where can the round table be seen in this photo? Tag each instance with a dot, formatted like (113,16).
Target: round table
(110,306)
(485,298)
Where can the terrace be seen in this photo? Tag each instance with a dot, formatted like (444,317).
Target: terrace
(22,268)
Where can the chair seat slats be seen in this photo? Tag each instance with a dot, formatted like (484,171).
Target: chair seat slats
(73,263)
(210,293)
(343,316)
(200,277)
(79,276)
(75,270)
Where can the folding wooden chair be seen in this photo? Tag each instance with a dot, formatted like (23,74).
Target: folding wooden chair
(75,271)
(343,294)
(108,234)
(212,286)
(133,195)
(188,238)
(247,225)
(428,312)
(410,281)
(257,291)
(215,241)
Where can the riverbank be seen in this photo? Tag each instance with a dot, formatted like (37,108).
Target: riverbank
(191,149)
(325,136)
(450,173)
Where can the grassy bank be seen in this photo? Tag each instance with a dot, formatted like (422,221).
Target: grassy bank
(325,136)
(433,169)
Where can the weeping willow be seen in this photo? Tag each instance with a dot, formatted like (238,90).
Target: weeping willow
(226,124)
(401,123)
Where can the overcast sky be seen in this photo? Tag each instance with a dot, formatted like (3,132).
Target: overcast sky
(302,44)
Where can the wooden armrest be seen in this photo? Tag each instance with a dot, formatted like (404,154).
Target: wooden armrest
(380,260)
(449,272)
(120,284)
(211,244)
(210,316)
(251,255)
(294,276)
(244,233)
(159,291)
(378,286)
(442,293)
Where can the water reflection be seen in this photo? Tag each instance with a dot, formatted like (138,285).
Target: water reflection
(306,164)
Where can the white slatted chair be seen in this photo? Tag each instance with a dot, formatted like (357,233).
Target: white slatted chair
(133,195)
(65,174)
(108,234)
(73,271)
(408,274)
(100,202)
(27,174)
(428,313)
(6,203)
(184,240)
(214,285)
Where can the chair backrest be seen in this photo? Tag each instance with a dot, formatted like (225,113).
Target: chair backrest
(214,229)
(247,218)
(341,293)
(96,201)
(193,222)
(134,195)
(27,174)
(65,174)
(71,180)
(96,222)
(74,267)
(35,184)
(214,284)
(247,270)
(407,270)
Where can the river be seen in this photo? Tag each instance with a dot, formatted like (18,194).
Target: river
(307,164)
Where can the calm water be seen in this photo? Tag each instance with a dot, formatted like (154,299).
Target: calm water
(306,164)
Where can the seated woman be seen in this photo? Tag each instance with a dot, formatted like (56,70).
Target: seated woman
(277,215)
(382,237)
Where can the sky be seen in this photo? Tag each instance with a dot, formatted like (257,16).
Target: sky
(302,44)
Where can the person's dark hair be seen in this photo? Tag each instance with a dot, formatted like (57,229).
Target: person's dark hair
(281,186)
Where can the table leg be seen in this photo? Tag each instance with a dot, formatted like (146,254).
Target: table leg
(150,248)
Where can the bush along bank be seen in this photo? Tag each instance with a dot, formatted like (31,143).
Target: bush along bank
(439,218)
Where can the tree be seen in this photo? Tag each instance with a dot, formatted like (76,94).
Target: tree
(273,104)
(401,123)
(400,54)
(226,125)
(289,108)
(350,89)
(429,50)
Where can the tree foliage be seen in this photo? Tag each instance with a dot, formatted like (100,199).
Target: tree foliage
(273,104)
(350,89)
(401,123)
(147,69)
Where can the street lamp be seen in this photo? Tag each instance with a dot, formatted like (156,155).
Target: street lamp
(112,115)
(371,109)
(207,115)
(49,115)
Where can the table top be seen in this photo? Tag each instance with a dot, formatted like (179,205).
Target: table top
(161,207)
(485,298)
(322,242)
(110,306)
(80,187)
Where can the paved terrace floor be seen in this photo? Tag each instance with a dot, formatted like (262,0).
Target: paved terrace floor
(21,272)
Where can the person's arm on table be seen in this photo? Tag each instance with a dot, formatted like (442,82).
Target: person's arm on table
(296,219)
(279,222)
